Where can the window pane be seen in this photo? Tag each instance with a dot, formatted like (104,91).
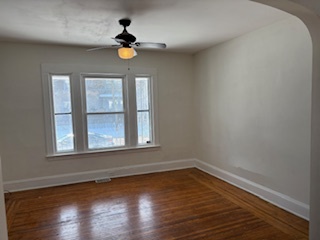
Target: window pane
(61,94)
(105,130)
(142,93)
(144,135)
(64,133)
(104,95)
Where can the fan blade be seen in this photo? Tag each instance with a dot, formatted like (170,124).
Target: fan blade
(103,47)
(149,45)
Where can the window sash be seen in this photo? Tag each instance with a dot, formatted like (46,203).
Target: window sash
(64,143)
(117,142)
(101,92)
(58,143)
(107,135)
(147,109)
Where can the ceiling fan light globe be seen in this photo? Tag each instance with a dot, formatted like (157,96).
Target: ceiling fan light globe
(126,53)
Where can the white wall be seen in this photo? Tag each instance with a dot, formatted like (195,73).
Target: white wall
(313,5)
(22,135)
(253,107)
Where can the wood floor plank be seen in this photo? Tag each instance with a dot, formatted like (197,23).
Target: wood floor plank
(262,209)
(185,204)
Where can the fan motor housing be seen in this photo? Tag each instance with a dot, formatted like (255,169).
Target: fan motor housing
(127,37)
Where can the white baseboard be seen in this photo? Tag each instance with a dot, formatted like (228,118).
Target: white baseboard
(276,198)
(283,201)
(65,179)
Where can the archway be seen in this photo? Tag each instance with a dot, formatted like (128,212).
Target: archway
(3,222)
(312,22)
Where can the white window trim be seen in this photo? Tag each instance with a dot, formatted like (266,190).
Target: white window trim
(77,73)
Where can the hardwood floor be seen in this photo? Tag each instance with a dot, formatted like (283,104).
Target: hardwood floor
(185,204)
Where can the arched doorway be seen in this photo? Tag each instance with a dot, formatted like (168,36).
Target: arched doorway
(312,22)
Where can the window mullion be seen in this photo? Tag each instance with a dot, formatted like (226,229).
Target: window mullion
(78,105)
(132,112)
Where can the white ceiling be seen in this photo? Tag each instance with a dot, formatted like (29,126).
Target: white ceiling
(184,25)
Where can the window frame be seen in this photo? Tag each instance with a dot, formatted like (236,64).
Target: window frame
(85,113)
(150,108)
(77,75)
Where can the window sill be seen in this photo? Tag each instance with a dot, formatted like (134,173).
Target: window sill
(72,155)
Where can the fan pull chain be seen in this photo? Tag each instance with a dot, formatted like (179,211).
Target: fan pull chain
(128,64)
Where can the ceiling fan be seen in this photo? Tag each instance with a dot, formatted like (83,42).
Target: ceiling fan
(127,42)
